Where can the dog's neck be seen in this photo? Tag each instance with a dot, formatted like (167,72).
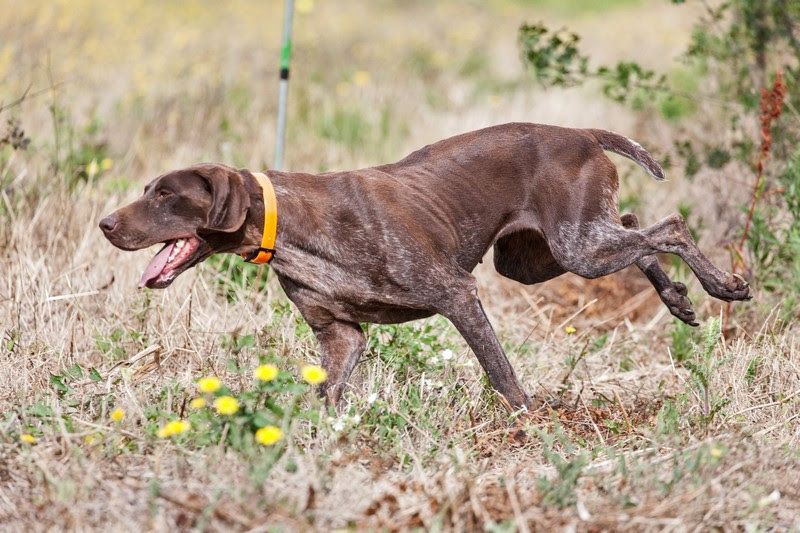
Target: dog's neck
(253,229)
(254,221)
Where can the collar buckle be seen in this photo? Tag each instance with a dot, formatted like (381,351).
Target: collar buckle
(252,256)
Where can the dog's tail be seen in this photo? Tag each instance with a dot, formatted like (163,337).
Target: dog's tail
(619,144)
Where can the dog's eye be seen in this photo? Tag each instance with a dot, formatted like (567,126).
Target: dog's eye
(163,193)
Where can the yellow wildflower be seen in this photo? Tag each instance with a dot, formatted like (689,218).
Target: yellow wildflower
(313,374)
(176,427)
(27,438)
(269,435)
(265,372)
(197,403)
(117,415)
(304,7)
(209,384)
(570,330)
(226,405)
(361,78)
(716,452)
(106,164)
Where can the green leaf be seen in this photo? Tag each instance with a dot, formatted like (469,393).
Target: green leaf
(75,371)
(40,410)
(58,383)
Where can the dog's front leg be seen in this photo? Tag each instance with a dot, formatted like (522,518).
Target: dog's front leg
(465,311)
(341,344)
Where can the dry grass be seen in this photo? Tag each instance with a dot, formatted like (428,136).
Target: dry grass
(624,448)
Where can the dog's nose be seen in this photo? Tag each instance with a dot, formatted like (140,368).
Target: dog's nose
(108,224)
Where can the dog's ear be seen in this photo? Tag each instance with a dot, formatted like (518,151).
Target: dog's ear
(229,198)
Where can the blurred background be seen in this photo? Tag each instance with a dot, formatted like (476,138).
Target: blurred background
(370,80)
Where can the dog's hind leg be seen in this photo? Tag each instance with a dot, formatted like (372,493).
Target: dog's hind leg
(463,308)
(599,246)
(341,343)
(672,293)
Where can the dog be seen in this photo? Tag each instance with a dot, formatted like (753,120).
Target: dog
(398,242)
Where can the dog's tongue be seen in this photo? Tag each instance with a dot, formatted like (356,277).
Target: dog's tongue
(156,265)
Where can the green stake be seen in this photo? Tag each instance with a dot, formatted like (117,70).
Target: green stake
(283,88)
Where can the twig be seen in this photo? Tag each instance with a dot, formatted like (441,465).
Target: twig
(765,405)
(18,101)
(27,94)
(108,428)
(572,367)
(624,412)
(515,506)
(594,424)
(771,108)
(73,295)
(775,426)
(198,508)
(576,313)
(144,353)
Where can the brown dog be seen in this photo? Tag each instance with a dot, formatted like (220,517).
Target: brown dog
(397,242)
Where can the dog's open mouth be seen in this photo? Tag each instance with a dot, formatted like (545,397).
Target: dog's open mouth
(174,258)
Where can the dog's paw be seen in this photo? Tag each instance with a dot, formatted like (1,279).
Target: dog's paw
(731,287)
(676,299)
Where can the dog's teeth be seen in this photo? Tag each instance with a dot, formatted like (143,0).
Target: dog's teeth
(180,244)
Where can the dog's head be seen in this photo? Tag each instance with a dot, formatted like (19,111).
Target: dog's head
(196,212)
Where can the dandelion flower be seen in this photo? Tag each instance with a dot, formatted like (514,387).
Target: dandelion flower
(117,415)
(226,405)
(265,372)
(313,374)
(27,438)
(569,330)
(269,435)
(176,427)
(106,164)
(209,384)
(197,403)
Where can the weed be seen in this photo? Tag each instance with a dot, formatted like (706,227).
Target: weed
(237,279)
(569,466)
(702,362)
(412,349)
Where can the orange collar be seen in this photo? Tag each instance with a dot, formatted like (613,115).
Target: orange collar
(266,251)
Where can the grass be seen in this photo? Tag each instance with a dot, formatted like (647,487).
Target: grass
(652,425)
